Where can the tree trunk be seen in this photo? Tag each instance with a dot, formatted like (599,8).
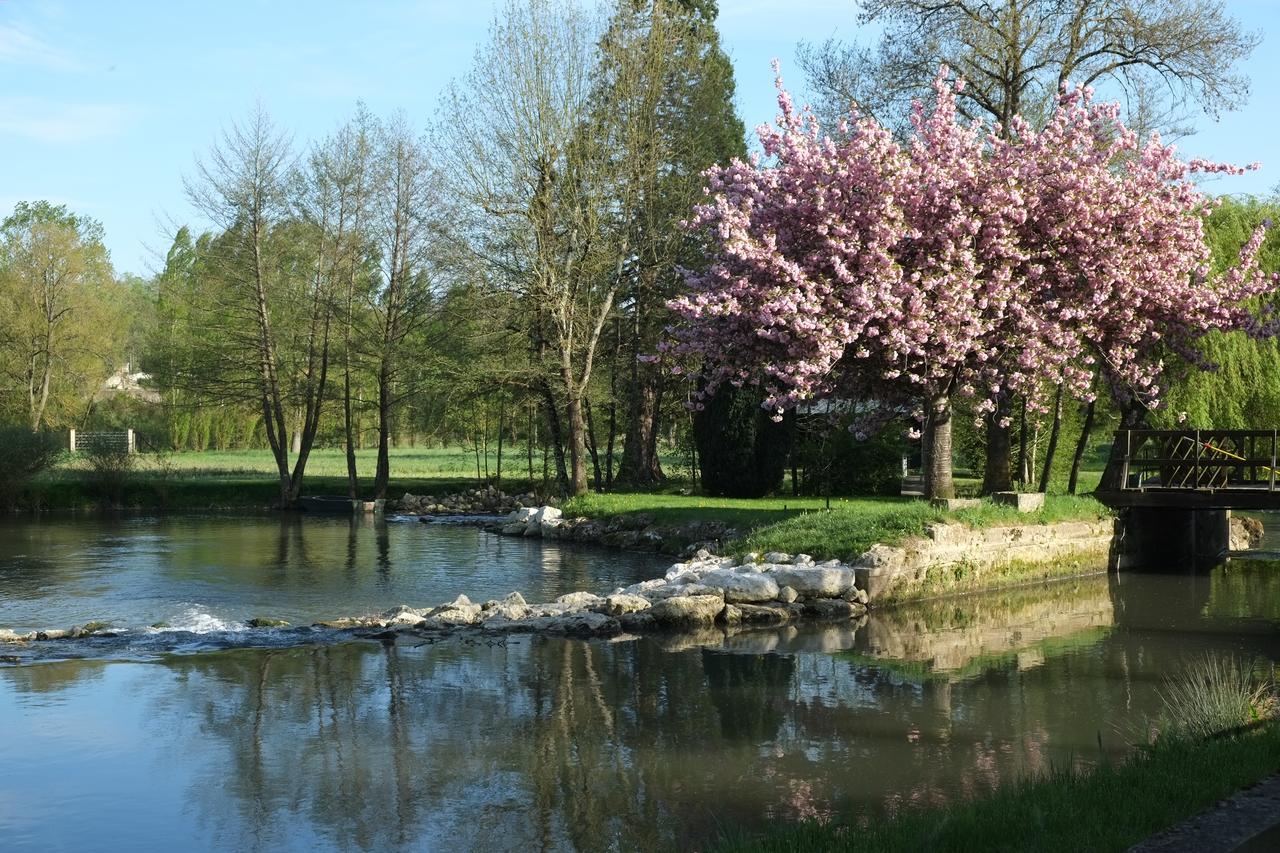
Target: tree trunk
(557,436)
(1024,469)
(1081,445)
(577,445)
(1052,449)
(382,474)
(353,478)
(937,478)
(997,475)
(640,467)
(591,445)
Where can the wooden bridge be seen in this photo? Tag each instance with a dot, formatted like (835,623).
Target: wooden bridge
(1193,469)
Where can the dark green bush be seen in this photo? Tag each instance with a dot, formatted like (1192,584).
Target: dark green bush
(110,466)
(831,460)
(742,451)
(23,455)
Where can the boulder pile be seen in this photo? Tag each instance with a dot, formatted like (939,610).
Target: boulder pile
(487,501)
(634,532)
(769,590)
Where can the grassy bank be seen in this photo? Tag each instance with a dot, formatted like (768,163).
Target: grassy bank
(1108,808)
(246,478)
(803,525)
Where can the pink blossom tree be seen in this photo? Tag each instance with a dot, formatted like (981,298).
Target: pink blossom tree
(961,262)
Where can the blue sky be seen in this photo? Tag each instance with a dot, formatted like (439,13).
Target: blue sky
(105,105)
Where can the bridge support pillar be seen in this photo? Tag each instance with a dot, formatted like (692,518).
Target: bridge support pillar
(1170,539)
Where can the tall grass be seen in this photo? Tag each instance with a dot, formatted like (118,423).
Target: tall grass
(1214,694)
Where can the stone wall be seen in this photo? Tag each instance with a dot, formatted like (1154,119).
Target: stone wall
(953,557)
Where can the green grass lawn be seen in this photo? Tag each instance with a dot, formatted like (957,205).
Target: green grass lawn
(803,525)
(1109,808)
(246,478)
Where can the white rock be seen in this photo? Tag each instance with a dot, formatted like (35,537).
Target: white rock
(682,589)
(742,586)
(521,515)
(514,598)
(787,595)
(815,581)
(688,610)
(547,514)
(507,612)
(645,588)
(777,557)
(580,600)
(803,559)
(621,604)
(676,570)
(402,615)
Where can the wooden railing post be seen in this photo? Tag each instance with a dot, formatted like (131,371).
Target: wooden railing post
(1195,469)
(1272,485)
(1128,453)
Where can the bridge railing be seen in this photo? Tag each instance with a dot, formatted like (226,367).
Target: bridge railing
(1203,460)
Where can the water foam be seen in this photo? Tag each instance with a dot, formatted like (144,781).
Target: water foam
(196,620)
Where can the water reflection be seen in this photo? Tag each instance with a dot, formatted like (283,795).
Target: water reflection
(57,572)
(545,744)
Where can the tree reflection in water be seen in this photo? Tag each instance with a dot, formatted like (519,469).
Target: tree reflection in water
(544,744)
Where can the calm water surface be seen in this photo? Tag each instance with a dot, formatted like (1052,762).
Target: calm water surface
(206,573)
(548,744)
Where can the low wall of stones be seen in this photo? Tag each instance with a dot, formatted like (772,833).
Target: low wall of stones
(953,557)
(949,558)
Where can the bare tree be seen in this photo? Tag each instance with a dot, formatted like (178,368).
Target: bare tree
(336,200)
(1163,55)
(405,202)
(271,289)
(537,180)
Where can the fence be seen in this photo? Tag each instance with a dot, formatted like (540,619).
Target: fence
(124,440)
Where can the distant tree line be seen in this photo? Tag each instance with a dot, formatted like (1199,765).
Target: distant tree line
(498,276)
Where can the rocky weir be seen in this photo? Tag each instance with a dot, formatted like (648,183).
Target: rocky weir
(703,592)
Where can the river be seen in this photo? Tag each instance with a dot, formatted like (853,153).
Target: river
(536,743)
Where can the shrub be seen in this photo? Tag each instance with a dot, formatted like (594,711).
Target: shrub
(110,469)
(23,455)
(742,452)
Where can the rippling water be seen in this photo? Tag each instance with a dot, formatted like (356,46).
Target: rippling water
(634,744)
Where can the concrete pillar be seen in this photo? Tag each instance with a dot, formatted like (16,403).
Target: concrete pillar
(71,442)
(1166,539)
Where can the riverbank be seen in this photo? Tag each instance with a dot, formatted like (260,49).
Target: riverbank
(1108,808)
(898,549)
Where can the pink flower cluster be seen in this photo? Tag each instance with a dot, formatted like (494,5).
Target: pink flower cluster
(961,262)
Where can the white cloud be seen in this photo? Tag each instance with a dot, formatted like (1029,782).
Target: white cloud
(46,121)
(20,45)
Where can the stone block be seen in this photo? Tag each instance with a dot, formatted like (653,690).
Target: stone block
(1021,501)
(953,504)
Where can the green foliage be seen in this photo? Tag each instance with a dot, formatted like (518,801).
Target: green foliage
(1107,808)
(24,455)
(834,461)
(110,467)
(742,452)
(1241,390)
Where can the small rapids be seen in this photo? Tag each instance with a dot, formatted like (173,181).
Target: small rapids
(192,631)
